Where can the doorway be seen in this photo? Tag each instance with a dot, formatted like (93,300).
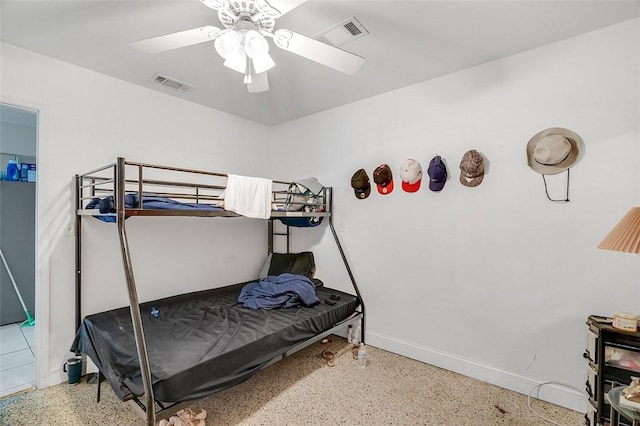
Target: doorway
(18,175)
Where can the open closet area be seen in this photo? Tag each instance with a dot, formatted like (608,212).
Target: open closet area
(18,137)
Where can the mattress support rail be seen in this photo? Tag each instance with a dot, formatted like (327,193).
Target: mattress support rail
(351,320)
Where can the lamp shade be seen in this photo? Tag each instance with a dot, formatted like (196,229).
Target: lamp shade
(625,237)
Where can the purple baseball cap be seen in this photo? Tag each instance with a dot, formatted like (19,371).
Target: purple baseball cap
(437,172)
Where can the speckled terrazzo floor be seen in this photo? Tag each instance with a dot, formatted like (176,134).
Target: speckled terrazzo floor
(303,390)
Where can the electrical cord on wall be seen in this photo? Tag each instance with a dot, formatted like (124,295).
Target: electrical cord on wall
(538,386)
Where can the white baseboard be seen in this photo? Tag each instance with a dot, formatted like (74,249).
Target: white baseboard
(550,392)
(55,377)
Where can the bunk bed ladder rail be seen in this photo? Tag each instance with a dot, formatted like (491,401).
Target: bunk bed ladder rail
(136,317)
(273,232)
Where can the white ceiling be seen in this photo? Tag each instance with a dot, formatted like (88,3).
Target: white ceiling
(409,42)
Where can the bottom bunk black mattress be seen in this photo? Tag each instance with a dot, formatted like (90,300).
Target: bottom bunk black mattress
(200,343)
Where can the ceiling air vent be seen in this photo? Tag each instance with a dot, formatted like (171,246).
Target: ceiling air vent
(342,33)
(171,83)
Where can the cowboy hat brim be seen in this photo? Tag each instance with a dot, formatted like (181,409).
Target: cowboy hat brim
(569,161)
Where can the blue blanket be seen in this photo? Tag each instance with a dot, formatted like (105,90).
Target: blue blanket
(149,201)
(279,291)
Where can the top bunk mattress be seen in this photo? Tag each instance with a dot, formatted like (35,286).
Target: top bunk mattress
(200,343)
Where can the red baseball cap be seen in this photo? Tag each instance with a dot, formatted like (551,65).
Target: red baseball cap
(411,175)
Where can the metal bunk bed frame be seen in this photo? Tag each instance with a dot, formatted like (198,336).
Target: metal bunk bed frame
(94,184)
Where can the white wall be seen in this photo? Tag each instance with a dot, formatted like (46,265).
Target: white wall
(86,121)
(495,281)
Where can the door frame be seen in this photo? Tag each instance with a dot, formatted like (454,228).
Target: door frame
(42,375)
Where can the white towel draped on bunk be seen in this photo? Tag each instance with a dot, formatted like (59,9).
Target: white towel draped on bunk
(248,196)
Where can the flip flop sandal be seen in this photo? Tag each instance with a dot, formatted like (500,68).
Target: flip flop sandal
(354,352)
(330,357)
(189,414)
(179,421)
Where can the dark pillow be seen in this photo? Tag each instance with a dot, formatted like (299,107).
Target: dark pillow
(293,263)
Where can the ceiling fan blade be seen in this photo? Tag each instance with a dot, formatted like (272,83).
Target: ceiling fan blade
(271,8)
(318,51)
(176,40)
(284,6)
(259,83)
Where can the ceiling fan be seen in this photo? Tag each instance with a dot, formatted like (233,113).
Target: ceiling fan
(243,45)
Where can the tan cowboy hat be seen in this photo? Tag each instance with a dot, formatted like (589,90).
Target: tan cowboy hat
(553,150)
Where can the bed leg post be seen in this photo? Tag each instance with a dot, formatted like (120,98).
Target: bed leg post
(100,378)
(78,256)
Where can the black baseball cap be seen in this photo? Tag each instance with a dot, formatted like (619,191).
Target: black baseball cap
(383,178)
(360,184)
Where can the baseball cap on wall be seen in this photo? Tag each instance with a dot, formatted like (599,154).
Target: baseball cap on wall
(437,172)
(411,175)
(360,184)
(383,178)
(471,168)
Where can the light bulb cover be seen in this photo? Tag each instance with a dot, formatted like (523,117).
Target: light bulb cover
(255,44)
(263,63)
(238,62)
(228,44)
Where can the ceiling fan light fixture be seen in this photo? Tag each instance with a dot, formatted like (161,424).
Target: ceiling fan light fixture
(228,44)
(237,62)
(242,42)
(263,63)
(255,44)
(257,48)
